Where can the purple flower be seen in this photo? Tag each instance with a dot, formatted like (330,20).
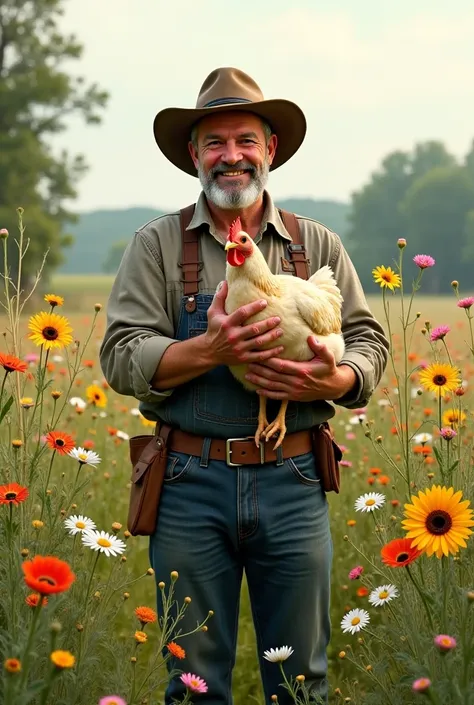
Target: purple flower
(439,333)
(444,642)
(356,572)
(424,261)
(466,303)
(421,685)
(448,433)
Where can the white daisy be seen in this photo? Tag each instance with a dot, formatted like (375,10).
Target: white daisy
(422,438)
(78,524)
(355,620)
(368,502)
(358,419)
(124,436)
(57,358)
(383,402)
(383,594)
(78,402)
(135,411)
(278,655)
(103,414)
(85,457)
(103,542)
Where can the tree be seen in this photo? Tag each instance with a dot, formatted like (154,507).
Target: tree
(377,219)
(114,256)
(436,208)
(36,95)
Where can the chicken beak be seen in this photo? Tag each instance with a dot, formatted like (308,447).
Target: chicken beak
(230,245)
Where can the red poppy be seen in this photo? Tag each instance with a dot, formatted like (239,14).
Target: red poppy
(13,493)
(47,575)
(61,442)
(10,363)
(398,553)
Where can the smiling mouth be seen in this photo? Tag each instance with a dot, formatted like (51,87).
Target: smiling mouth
(233,173)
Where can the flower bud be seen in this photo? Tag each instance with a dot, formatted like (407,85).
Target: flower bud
(97,307)
(401,243)
(455,284)
(174,575)
(3,233)
(342,654)
(150,571)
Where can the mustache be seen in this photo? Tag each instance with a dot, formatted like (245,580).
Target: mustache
(222,168)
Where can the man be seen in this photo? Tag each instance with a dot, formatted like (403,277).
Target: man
(217,517)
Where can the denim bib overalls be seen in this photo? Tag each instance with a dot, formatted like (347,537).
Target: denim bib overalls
(216,521)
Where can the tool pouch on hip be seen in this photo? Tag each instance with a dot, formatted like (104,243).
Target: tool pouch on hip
(328,455)
(148,455)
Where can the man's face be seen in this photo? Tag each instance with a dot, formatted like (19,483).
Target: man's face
(233,158)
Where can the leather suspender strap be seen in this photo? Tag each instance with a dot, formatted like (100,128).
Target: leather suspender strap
(296,250)
(190,263)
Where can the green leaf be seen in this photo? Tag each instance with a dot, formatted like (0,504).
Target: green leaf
(6,408)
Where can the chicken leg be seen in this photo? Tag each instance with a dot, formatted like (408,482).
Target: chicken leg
(262,419)
(277,425)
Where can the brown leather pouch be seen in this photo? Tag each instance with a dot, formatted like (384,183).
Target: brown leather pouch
(148,455)
(327,454)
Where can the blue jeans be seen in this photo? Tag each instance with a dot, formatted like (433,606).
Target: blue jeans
(271,520)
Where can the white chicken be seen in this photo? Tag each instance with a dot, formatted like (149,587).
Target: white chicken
(305,307)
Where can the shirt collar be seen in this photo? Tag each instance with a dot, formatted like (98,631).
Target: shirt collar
(271,217)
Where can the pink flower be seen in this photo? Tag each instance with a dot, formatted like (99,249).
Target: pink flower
(356,572)
(194,683)
(466,303)
(112,700)
(421,685)
(444,642)
(345,464)
(424,261)
(439,333)
(350,436)
(448,433)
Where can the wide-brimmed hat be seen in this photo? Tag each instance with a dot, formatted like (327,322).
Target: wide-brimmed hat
(223,90)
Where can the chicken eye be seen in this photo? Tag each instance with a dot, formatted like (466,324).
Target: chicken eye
(243,239)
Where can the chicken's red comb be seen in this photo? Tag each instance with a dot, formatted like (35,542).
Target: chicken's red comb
(235,228)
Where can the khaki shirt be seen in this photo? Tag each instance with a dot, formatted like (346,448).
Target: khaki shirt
(145,300)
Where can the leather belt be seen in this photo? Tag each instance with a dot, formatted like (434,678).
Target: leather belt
(241,451)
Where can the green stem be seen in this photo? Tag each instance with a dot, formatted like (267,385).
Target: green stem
(3,387)
(90,579)
(423,598)
(47,482)
(31,634)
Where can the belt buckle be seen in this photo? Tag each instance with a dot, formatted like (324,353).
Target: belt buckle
(228,450)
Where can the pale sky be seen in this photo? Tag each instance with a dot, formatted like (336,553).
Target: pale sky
(370,77)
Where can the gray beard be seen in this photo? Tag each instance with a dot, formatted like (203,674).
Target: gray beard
(235,197)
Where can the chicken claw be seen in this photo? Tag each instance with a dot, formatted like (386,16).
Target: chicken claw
(277,425)
(262,420)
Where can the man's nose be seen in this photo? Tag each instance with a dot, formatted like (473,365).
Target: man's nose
(231,153)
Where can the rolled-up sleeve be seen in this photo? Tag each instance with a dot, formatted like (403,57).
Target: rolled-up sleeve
(366,344)
(138,328)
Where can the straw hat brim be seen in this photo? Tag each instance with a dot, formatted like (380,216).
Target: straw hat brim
(172,129)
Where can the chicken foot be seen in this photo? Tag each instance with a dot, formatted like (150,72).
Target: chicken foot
(262,419)
(277,425)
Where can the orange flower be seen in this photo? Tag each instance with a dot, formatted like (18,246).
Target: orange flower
(13,493)
(140,637)
(33,598)
(176,650)
(362,591)
(422,450)
(427,412)
(383,480)
(61,442)
(12,665)
(399,553)
(48,575)
(10,363)
(88,363)
(375,471)
(145,615)
(88,444)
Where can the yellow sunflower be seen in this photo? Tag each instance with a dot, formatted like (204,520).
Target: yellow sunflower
(438,522)
(386,277)
(54,300)
(50,330)
(96,395)
(440,378)
(453,417)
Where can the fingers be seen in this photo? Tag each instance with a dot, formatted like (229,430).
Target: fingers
(260,355)
(244,312)
(219,297)
(261,341)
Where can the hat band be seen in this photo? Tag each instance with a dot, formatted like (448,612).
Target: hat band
(226,101)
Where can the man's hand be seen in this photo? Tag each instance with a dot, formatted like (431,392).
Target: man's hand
(231,342)
(317,379)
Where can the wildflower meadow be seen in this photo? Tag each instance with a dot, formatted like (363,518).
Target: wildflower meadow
(78,618)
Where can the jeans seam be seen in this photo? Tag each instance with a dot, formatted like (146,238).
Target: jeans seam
(253,529)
